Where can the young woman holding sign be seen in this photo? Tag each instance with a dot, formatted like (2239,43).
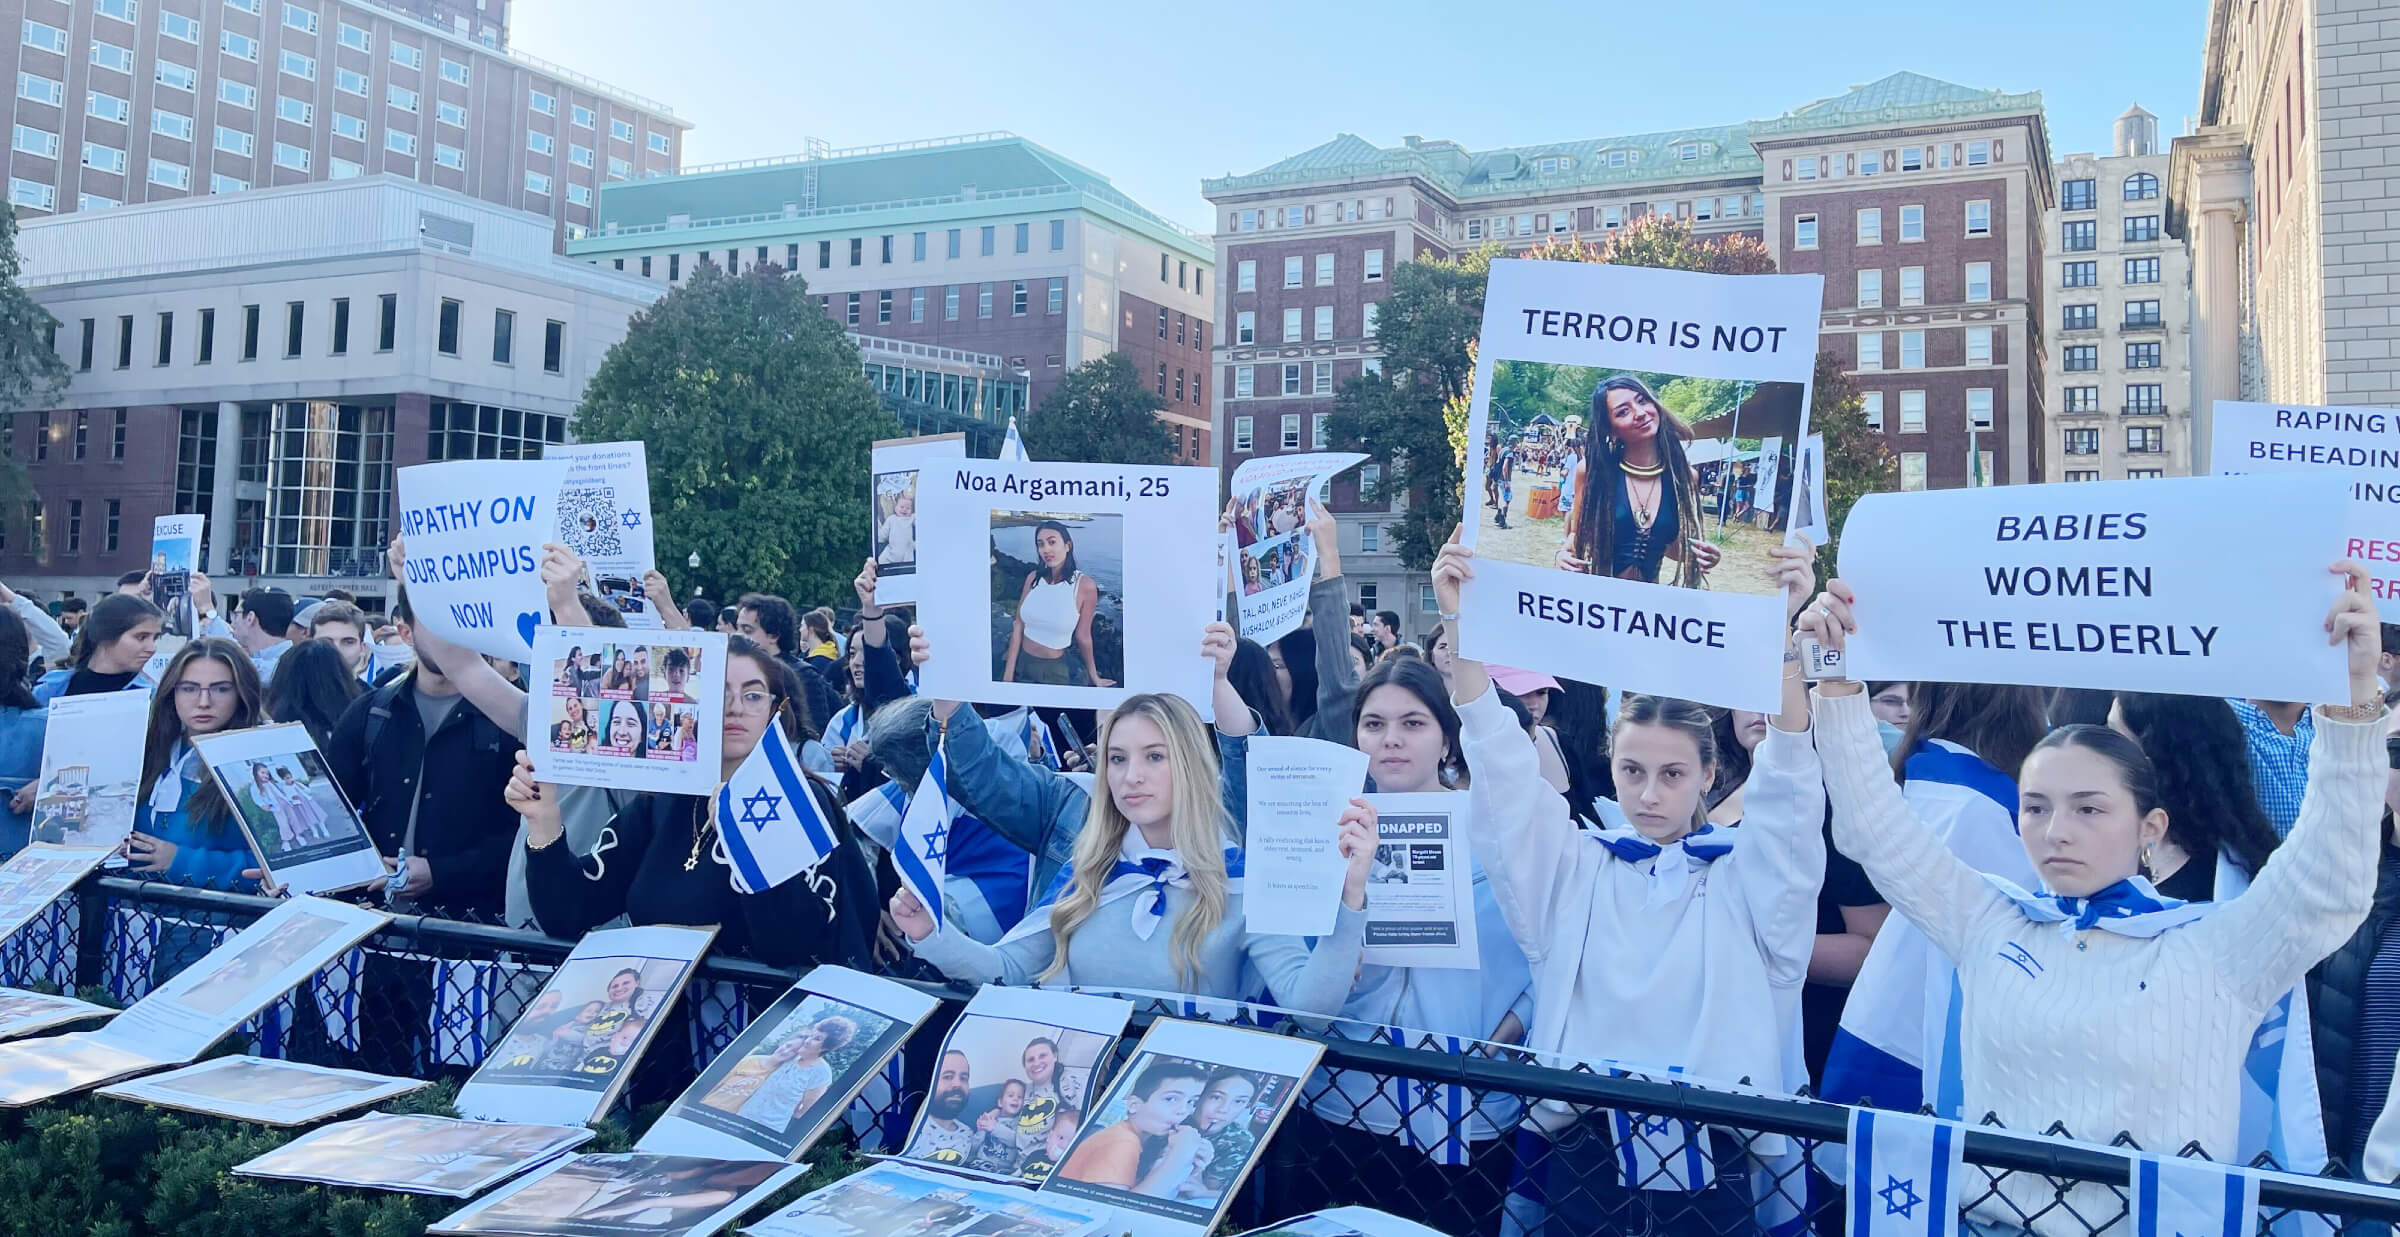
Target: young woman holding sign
(1054,614)
(1630,961)
(1637,494)
(2055,1028)
(183,829)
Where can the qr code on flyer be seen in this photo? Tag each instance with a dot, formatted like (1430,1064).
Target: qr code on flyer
(588,519)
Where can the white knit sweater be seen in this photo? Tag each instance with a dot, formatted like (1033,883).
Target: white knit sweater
(2095,1031)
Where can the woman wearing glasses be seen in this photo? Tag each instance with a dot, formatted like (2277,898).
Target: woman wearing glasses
(183,829)
(660,860)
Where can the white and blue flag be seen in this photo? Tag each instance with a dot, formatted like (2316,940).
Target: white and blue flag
(2175,1197)
(768,823)
(1014,449)
(921,852)
(1903,1177)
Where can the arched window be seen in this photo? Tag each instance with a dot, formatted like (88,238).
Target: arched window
(2140,187)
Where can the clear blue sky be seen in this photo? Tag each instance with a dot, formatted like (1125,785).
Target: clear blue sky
(1158,96)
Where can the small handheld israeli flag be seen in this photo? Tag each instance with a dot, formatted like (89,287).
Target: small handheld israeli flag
(921,851)
(1903,1175)
(768,822)
(1013,450)
(2192,1198)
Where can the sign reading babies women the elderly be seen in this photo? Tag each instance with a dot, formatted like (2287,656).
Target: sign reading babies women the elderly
(2359,445)
(1620,481)
(2211,586)
(1070,585)
(474,531)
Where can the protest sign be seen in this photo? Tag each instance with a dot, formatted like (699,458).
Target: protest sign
(1421,887)
(169,644)
(1278,557)
(174,556)
(566,1058)
(39,875)
(798,1064)
(474,531)
(89,769)
(604,516)
(636,712)
(1016,1074)
(892,521)
(2361,446)
(1038,595)
(891,1198)
(1183,1124)
(629,1195)
(265,1091)
(1292,874)
(34,1070)
(1808,491)
(2175,585)
(23,1013)
(1344,1222)
(208,999)
(299,822)
(415,1154)
(1665,384)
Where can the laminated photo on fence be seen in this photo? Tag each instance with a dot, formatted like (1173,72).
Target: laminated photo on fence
(794,1069)
(895,1200)
(1015,1077)
(39,875)
(1277,558)
(632,711)
(416,1154)
(268,1092)
(566,1057)
(301,827)
(629,1195)
(2360,446)
(1066,585)
(474,532)
(1344,1222)
(86,795)
(24,1013)
(894,464)
(1421,890)
(1615,445)
(604,517)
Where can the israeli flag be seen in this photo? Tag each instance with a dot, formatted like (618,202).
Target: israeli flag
(2192,1198)
(770,825)
(921,852)
(1903,1176)
(1014,449)
(1660,1153)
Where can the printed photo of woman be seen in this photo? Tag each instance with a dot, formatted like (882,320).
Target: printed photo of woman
(1051,640)
(1638,493)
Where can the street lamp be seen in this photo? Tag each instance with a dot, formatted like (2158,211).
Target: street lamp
(694,561)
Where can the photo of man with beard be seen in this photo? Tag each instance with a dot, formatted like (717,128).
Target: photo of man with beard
(942,1137)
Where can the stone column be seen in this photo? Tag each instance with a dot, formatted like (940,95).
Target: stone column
(224,494)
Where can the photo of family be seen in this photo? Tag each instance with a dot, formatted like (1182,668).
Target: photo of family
(1008,1097)
(1274,512)
(889,1200)
(245,970)
(416,1154)
(1273,564)
(1058,598)
(629,1195)
(266,1091)
(1640,475)
(587,1024)
(791,1071)
(1177,1131)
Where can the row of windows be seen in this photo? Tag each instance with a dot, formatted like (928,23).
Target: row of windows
(1320,320)
(1912,349)
(295,334)
(1295,271)
(1867,225)
(1179,388)
(1310,378)
(2085,194)
(2139,440)
(2085,358)
(2142,399)
(2086,273)
(2083,235)
(2087,317)
(49,428)
(1020,301)
(987,242)
(1975,280)
(38,524)
(1353,210)
(1912,410)
(1904,159)
(1609,218)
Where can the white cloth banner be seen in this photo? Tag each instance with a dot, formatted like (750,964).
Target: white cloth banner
(2359,445)
(2197,585)
(474,531)
(1903,1177)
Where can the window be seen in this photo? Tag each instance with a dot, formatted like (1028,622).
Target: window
(2082,357)
(1243,377)
(387,321)
(1324,270)
(95,201)
(108,55)
(1612,216)
(1912,223)
(1291,426)
(2145,439)
(125,341)
(1871,403)
(1978,154)
(1979,345)
(236,142)
(44,36)
(401,98)
(1016,300)
(658,143)
(1320,426)
(1024,238)
(1979,281)
(540,143)
(2142,356)
(983,300)
(400,143)
(1804,232)
(299,18)
(1057,302)
(116,451)
(1912,349)
(2141,187)
(341,326)
(1058,235)
(1242,424)
(294,110)
(2141,270)
(407,57)
(1870,289)
(1321,378)
(1374,265)
(1291,271)
(1323,324)
(2079,235)
(1370,489)
(103,158)
(446,332)
(75,505)
(83,356)
(543,102)
(858,250)
(339,168)
(350,81)
(2078,194)
(987,239)
(2141,399)
(359,40)
(2083,474)
(297,65)
(1912,412)
(2079,317)
(1979,408)
(1979,218)
(207,347)
(1291,385)
(1870,226)
(456,74)
(2140,228)
(290,156)
(2079,275)
(2083,442)
(40,142)
(165,352)
(171,124)
(169,174)
(554,347)
(177,76)
(1291,326)
(1912,285)
(950,303)
(41,437)
(107,106)
(504,334)
(450,157)
(295,318)
(1245,327)
(622,130)
(2083,399)
(1245,276)
(39,89)
(1870,351)
(350,127)
(2142,313)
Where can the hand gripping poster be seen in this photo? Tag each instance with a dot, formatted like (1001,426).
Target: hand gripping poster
(1275,554)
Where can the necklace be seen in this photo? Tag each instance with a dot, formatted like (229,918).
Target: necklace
(1643,471)
(704,827)
(1644,510)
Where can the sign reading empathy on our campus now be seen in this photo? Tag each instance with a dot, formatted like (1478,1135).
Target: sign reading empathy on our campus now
(2160,585)
(2359,445)
(474,531)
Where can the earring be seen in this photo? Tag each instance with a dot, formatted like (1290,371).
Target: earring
(2149,857)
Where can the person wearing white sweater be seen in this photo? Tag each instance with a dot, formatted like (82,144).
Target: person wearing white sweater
(1633,961)
(2095,1004)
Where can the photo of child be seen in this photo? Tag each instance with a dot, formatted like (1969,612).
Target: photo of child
(791,1070)
(999,1091)
(895,521)
(293,809)
(586,1024)
(1175,1134)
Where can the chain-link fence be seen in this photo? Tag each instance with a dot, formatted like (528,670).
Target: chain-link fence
(1472,1140)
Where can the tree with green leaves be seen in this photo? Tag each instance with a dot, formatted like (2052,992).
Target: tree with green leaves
(1102,413)
(758,424)
(31,372)
(1857,459)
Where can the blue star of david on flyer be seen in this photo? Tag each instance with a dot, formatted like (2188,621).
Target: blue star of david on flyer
(633,519)
(1900,1198)
(761,809)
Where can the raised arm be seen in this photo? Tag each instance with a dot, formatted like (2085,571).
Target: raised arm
(494,697)
(1018,960)
(1329,616)
(50,641)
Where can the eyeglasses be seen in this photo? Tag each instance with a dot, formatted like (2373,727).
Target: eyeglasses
(193,691)
(750,702)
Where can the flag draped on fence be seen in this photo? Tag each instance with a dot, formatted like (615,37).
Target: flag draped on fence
(1903,1176)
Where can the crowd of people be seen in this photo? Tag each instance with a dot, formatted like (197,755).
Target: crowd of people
(2069,861)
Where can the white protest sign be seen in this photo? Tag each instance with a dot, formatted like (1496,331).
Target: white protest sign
(174,556)
(892,514)
(1278,557)
(1292,877)
(474,531)
(1665,384)
(604,516)
(2181,585)
(636,711)
(2359,445)
(1421,887)
(1071,585)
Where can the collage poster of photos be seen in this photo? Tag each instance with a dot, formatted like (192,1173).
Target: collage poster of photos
(587,1023)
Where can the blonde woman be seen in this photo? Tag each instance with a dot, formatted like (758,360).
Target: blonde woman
(1152,899)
